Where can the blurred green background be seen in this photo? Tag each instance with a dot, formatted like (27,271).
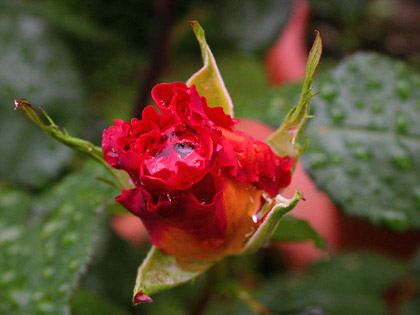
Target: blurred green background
(89,62)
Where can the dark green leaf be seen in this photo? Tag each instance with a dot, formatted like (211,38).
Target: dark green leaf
(45,242)
(84,302)
(35,64)
(348,284)
(365,141)
(291,229)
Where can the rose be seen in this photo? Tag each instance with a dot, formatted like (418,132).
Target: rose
(199,182)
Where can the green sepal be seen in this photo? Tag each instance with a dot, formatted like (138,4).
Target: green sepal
(291,229)
(159,272)
(284,140)
(274,209)
(82,146)
(207,80)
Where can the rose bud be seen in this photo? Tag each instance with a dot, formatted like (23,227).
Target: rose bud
(199,183)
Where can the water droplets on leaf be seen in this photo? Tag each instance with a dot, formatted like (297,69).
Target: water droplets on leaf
(401,160)
(394,219)
(416,193)
(318,160)
(360,104)
(377,108)
(9,234)
(403,88)
(328,90)
(353,170)
(401,122)
(68,239)
(374,83)
(337,113)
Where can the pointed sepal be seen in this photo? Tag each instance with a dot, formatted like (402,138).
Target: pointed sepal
(273,211)
(284,140)
(207,80)
(159,272)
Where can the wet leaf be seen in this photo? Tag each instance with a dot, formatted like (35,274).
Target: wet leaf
(365,141)
(291,229)
(46,241)
(347,284)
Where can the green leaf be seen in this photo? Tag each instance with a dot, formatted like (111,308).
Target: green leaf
(160,271)
(35,64)
(272,212)
(347,284)
(208,80)
(291,229)
(45,242)
(84,302)
(365,141)
(79,145)
(284,140)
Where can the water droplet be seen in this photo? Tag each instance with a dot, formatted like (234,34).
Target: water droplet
(374,84)
(362,153)
(64,288)
(377,108)
(51,227)
(401,122)
(47,272)
(140,297)
(68,238)
(353,68)
(37,295)
(10,234)
(349,200)
(8,277)
(360,104)
(395,220)
(416,193)
(20,297)
(318,160)
(336,159)
(337,113)
(328,91)
(73,265)
(353,171)
(401,160)
(44,307)
(403,88)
